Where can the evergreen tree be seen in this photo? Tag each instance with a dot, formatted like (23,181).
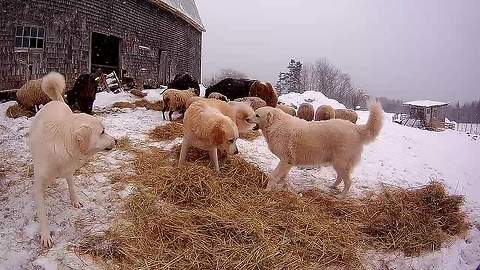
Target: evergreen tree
(290,81)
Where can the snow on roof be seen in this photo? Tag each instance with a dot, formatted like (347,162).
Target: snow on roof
(425,103)
(187,9)
(315,98)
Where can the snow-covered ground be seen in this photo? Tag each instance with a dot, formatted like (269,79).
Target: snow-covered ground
(401,156)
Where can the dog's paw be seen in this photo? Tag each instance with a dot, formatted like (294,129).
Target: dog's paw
(46,239)
(77,204)
(341,196)
(333,187)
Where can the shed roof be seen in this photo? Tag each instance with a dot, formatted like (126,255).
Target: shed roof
(425,103)
(187,9)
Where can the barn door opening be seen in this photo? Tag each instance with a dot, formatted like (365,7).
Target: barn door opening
(105,53)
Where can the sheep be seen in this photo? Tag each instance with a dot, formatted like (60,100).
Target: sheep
(176,100)
(254,102)
(39,92)
(287,109)
(324,112)
(16,111)
(218,96)
(306,112)
(265,91)
(346,114)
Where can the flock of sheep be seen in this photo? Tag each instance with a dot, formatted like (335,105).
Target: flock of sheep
(255,93)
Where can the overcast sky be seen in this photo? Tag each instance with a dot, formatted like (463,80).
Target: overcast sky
(411,49)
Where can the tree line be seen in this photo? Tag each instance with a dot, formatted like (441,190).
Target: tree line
(323,77)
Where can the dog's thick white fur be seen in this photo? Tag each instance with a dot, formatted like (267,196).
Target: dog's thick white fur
(60,143)
(335,142)
(207,128)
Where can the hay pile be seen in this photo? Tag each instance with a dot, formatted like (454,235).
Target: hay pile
(197,219)
(16,111)
(154,106)
(167,132)
(413,221)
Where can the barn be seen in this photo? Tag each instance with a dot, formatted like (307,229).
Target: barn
(148,40)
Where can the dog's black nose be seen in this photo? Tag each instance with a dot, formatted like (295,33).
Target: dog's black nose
(116,142)
(236,152)
(256,127)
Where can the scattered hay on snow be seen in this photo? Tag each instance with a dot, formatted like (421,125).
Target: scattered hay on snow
(167,132)
(197,218)
(154,106)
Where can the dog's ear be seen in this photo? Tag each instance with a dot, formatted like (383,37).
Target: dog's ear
(269,117)
(82,136)
(218,134)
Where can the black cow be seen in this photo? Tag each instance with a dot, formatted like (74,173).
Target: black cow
(184,81)
(231,88)
(82,95)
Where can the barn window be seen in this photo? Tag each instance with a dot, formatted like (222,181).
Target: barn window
(29,37)
(434,112)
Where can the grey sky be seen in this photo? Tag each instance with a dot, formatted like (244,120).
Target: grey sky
(404,48)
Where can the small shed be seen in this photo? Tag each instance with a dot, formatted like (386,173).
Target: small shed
(427,113)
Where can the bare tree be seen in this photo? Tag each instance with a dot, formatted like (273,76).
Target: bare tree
(358,98)
(328,79)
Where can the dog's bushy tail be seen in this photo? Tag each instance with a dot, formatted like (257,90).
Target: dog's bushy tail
(374,125)
(53,84)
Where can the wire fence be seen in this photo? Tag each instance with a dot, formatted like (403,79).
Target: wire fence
(469,128)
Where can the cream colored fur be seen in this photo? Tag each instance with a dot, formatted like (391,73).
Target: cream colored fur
(208,128)
(239,112)
(60,143)
(297,142)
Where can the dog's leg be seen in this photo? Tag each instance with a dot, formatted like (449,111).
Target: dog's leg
(71,191)
(40,186)
(344,174)
(280,171)
(183,153)
(214,159)
(337,182)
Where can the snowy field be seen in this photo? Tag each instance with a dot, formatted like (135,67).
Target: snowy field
(401,156)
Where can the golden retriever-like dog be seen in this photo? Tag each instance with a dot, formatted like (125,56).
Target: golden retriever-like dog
(239,112)
(207,128)
(297,142)
(60,142)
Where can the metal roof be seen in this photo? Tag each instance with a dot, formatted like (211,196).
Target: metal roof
(187,9)
(425,103)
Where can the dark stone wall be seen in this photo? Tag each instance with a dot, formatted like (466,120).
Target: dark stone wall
(155,44)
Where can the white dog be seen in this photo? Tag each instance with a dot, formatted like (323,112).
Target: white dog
(297,142)
(60,143)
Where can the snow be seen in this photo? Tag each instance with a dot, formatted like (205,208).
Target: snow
(401,156)
(425,103)
(315,98)
(144,48)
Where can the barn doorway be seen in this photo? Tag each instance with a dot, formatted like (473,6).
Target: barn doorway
(105,53)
